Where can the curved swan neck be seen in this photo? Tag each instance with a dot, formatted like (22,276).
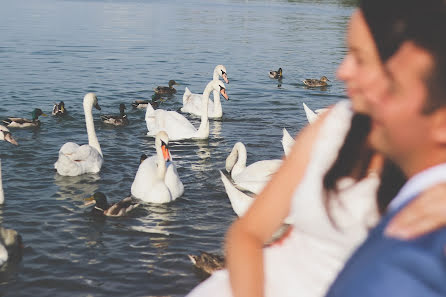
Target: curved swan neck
(237,159)
(218,111)
(161,163)
(2,195)
(92,139)
(203,130)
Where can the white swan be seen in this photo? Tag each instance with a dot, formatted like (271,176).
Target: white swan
(176,125)
(192,102)
(157,181)
(11,246)
(76,160)
(254,177)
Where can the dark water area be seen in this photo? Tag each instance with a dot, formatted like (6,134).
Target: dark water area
(59,50)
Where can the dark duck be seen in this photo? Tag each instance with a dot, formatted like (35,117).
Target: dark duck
(102,208)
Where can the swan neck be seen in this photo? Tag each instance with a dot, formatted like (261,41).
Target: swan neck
(92,139)
(2,195)
(240,165)
(161,163)
(217,104)
(203,130)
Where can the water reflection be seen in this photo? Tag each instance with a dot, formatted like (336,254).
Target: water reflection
(76,187)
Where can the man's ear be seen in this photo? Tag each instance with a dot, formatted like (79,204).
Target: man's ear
(439,126)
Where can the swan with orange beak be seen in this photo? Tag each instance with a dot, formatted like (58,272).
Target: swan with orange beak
(157,179)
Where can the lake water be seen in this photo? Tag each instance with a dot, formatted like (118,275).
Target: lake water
(59,50)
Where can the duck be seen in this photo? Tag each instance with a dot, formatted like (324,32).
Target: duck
(312,82)
(157,179)
(59,109)
(276,74)
(76,160)
(160,90)
(142,104)
(254,177)
(11,246)
(192,102)
(25,123)
(116,120)
(102,208)
(207,262)
(176,125)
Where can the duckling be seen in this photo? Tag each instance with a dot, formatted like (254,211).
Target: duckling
(207,262)
(142,104)
(166,90)
(11,247)
(25,123)
(116,120)
(59,109)
(6,135)
(312,82)
(102,208)
(276,74)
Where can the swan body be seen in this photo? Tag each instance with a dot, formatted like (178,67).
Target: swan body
(116,120)
(313,115)
(157,180)
(75,160)
(312,82)
(192,102)
(176,125)
(2,194)
(59,109)
(254,177)
(102,208)
(25,123)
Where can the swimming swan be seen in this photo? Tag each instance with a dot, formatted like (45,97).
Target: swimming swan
(192,102)
(176,125)
(157,181)
(254,177)
(76,160)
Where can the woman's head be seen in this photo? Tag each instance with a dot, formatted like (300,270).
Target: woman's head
(372,38)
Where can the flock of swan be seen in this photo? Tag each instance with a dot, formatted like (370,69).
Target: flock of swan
(157,179)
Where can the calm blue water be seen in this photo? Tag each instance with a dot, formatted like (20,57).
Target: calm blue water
(59,50)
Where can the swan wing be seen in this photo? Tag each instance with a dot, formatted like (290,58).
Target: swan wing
(311,115)
(76,160)
(145,177)
(173,182)
(287,142)
(240,201)
(254,177)
(175,124)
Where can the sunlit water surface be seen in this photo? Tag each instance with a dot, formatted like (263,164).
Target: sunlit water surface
(59,50)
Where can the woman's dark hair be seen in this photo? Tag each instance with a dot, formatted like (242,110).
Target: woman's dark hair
(386,27)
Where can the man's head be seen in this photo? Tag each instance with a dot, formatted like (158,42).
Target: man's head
(409,120)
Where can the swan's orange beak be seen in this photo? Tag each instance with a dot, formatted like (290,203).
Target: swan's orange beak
(223,93)
(225,78)
(166,153)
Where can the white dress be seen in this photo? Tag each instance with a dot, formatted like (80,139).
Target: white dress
(307,262)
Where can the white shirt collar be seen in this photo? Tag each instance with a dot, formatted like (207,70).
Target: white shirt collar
(418,183)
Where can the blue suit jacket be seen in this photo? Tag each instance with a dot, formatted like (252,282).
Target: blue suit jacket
(384,266)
